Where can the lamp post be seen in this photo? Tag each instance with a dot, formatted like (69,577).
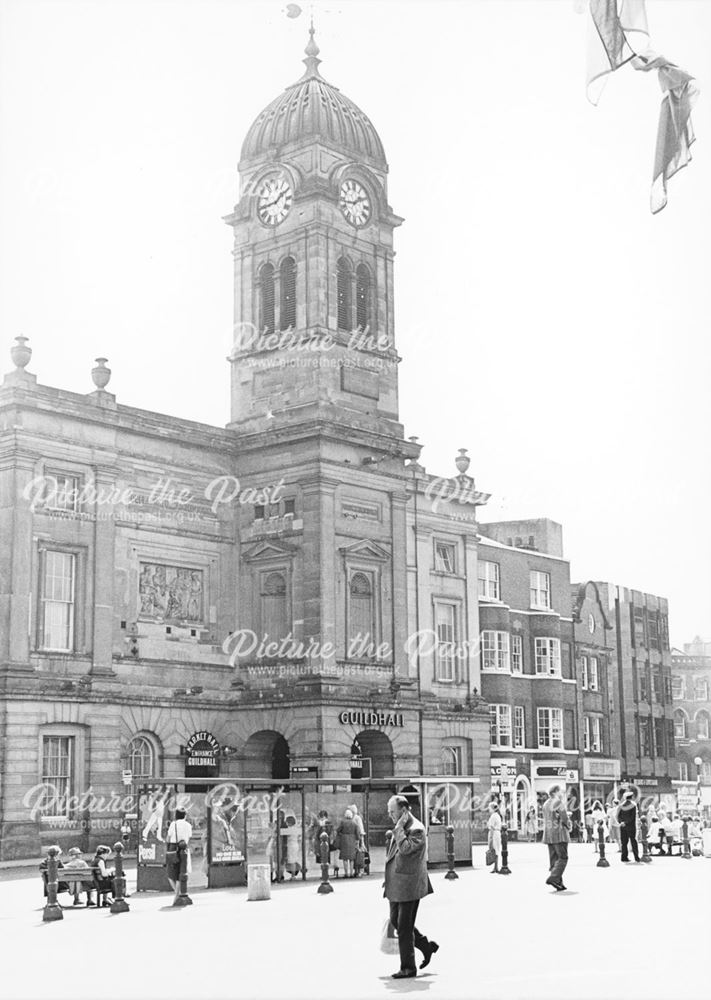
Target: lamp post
(698,761)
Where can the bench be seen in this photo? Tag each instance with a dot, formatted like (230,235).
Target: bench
(88,878)
(670,842)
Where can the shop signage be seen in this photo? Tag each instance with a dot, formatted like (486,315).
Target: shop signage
(686,799)
(571,776)
(551,772)
(202,750)
(500,769)
(127,777)
(308,772)
(605,769)
(360,718)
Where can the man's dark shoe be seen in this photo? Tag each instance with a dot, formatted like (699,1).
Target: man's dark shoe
(404,974)
(552,881)
(428,951)
(560,887)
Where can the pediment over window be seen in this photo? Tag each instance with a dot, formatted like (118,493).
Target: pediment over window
(365,549)
(263,550)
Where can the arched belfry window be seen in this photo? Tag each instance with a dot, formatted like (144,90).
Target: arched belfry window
(362,296)
(345,294)
(361,626)
(266,298)
(287,284)
(274,606)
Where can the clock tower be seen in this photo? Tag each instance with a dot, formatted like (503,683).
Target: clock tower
(313,264)
(314,385)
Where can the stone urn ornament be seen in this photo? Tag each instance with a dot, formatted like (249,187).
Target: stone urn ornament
(20,353)
(101,374)
(462,461)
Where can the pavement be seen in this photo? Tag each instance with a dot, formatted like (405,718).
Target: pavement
(627,931)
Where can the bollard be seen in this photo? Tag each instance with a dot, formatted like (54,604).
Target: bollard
(258,884)
(449,837)
(119,904)
(183,899)
(52,910)
(685,843)
(603,862)
(504,870)
(643,831)
(325,853)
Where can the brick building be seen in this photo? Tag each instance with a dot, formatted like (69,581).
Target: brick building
(691,682)
(642,689)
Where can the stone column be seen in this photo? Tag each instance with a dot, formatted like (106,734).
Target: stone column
(18,599)
(399,583)
(471,625)
(327,563)
(425,662)
(103,573)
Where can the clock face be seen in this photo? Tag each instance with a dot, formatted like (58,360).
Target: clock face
(274,201)
(591,624)
(354,203)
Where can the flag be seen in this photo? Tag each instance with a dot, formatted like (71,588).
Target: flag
(620,35)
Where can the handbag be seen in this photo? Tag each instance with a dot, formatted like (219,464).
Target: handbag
(388,939)
(490,856)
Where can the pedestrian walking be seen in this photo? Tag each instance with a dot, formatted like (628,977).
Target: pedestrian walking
(178,830)
(359,859)
(406,883)
(556,826)
(347,840)
(530,826)
(627,818)
(598,816)
(589,833)
(612,823)
(494,839)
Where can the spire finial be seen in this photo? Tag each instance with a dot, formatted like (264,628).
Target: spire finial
(312,50)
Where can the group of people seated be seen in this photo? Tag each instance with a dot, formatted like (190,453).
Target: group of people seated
(667,828)
(102,881)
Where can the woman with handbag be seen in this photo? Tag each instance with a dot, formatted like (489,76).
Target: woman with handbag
(494,842)
(178,830)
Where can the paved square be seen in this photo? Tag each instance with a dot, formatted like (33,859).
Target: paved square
(627,931)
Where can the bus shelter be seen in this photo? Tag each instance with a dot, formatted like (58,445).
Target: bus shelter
(237,822)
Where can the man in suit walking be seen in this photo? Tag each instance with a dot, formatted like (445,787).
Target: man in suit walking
(406,883)
(556,824)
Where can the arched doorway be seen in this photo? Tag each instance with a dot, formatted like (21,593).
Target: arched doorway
(266,755)
(375,751)
(523,801)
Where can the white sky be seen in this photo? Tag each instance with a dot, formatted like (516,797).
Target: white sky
(548,322)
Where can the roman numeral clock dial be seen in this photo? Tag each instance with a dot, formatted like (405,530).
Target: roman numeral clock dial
(274,201)
(354,203)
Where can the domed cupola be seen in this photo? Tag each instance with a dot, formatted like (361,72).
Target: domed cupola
(313,110)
